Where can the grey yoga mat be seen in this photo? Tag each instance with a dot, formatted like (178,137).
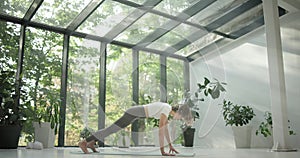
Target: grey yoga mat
(132,153)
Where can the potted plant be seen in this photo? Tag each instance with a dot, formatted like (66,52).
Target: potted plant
(265,127)
(189,131)
(11,115)
(46,118)
(208,88)
(239,117)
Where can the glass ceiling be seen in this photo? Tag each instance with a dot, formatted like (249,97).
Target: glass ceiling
(50,9)
(105,17)
(143,27)
(181,28)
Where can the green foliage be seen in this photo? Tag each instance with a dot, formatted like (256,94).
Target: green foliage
(265,127)
(11,113)
(208,88)
(149,75)
(237,115)
(42,71)
(9,110)
(213,89)
(48,109)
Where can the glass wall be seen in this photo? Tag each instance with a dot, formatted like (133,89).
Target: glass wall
(175,80)
(118,89)
(149,77)
(41,77)
(42,70)
(83,88)
(149,91)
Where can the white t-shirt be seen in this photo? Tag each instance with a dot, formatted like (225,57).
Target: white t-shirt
(156,109)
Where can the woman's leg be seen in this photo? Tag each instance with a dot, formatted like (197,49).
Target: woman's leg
(128,117)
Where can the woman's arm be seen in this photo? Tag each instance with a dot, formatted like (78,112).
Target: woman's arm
(164,132)
(167,135)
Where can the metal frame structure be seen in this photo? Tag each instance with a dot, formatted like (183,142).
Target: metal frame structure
(138,13)
(109,38)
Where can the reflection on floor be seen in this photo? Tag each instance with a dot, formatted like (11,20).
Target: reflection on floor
(199,152)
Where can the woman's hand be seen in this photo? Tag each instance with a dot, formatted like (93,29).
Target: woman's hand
(167,154)
(172,150)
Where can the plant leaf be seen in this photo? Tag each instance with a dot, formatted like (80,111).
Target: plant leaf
(206,81)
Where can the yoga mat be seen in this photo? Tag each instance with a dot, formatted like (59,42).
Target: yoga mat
(131,153)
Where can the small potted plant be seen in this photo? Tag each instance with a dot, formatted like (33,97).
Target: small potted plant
(239,117)
(265,127)
(208,88)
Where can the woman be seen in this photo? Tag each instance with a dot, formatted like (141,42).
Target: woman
(158,110)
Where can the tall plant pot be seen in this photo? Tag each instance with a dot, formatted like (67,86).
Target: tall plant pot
(44,133)
(9,136)
(242,136)
(188,137)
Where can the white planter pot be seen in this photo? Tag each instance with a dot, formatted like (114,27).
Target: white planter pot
(44,134)
(242,136)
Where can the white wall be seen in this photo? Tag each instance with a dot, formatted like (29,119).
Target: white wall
(245,70)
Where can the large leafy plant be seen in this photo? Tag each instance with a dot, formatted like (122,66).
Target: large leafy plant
(204,90)
(237,115)
(10,112)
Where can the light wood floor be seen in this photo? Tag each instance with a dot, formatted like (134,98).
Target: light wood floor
(205,153)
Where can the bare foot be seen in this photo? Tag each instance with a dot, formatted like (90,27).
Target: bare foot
(91,145)
(83,146)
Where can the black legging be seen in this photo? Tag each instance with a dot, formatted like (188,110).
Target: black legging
(128,117)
